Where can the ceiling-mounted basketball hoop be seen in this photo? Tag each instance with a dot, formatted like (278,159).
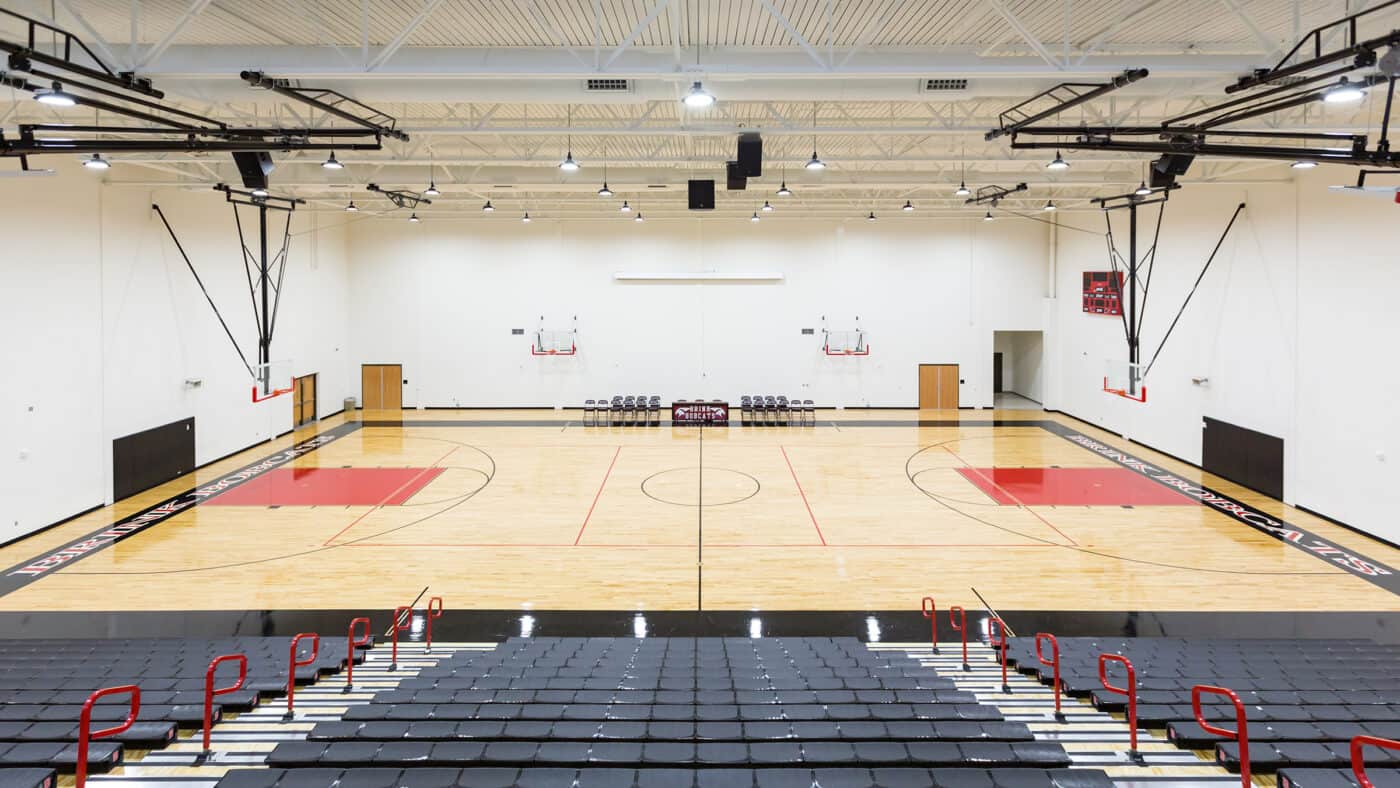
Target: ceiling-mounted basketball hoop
(272,380)
(555,342)
(844,343)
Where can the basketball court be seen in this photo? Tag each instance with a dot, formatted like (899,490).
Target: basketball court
(741,392)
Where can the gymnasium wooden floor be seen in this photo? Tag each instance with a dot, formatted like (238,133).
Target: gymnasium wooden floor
(868,510)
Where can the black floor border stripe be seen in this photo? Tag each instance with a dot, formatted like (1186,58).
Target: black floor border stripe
(22,574)
(887,626)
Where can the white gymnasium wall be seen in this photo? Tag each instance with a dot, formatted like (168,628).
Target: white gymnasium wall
(441,298)
(107,324)
(1292,327)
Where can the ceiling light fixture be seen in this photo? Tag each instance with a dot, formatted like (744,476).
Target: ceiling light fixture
(871,217)
(908,206)
(97,162)
(414,218)
(526,217)
(1050,205)
(605,191)
(1343,92)
(1057,163)
(962,190)
(351,208)
(54,97)
(1303,164)
(988,217)
(432,190)
(332,164)
(1142,190)
(639,217)
(625,207)
(767,207)
(814,163)
(698,98)
(568,164)
(754,218)
(784,191)
(259,192)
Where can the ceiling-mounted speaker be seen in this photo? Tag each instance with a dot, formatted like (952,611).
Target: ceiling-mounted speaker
(751,154)
(254,166)
(736,180)
(1168,167)
(702,195)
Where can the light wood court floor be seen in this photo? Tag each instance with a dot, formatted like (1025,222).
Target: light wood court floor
(866,511)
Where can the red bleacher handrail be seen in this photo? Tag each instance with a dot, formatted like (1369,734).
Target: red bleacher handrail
(292,671)
(997,626)
(432,614)
(351,642)
(1239,734)
(401,623)
(85,732)
(957,619)
(1130,691)
(1053,662)
(210,691)
(1358,763)
(930,611)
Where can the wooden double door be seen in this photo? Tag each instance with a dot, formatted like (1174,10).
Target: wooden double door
(381,386)
(304,400)
(938,386)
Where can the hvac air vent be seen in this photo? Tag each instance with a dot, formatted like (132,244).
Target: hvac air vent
(941,85)
(607,85)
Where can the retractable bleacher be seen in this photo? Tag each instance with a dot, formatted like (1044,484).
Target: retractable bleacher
(676,712)
(1305,700)
(44,684)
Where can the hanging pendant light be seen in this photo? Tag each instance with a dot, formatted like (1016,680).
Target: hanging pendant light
(988,217)
(351,208)
(871,217)
(1057,163)
(97,163)
(767,207)
(526,218)
(1050,205)
(332,163)
(414,219)
(55,96)
(488,207)
(625,207)
(962,190)
(698,98)
(1142,190)
(908,206)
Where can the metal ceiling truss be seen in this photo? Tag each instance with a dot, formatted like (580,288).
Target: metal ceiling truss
(163,127)
(401,198)
(1207,131)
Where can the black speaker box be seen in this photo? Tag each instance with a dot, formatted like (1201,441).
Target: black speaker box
(254,166)
(702,195)
(1168,167)
(751,154)
(735,179)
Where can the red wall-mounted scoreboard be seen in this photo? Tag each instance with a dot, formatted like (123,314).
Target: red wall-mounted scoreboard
(1102,296)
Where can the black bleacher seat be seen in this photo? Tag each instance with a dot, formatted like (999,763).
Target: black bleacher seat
(679,711)
(1336,778)
(661,777)
(44,683)
(1304,699)
(28,778)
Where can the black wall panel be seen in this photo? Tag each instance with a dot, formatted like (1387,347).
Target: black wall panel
(144,459)
(1243,456)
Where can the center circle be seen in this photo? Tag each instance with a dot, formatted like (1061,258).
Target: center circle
(683,486)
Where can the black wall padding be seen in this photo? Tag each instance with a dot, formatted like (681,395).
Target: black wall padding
(144,459)
(1243,456)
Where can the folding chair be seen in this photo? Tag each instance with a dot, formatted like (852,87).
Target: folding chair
(745,410)
(654,410)
(810,412)
(590,412)
(784,412)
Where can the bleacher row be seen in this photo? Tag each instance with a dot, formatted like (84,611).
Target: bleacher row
(672,712)
(45,683)
(1304,700)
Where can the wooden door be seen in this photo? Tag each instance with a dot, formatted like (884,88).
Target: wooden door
(304,400)
(938,386)
(381,386)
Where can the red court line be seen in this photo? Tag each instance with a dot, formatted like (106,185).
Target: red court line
(1008,494)
(368,511)
(591,506)
(803,494)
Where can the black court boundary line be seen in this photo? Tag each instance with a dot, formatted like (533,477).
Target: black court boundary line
(1354,563)
(29,571)
(889,626)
